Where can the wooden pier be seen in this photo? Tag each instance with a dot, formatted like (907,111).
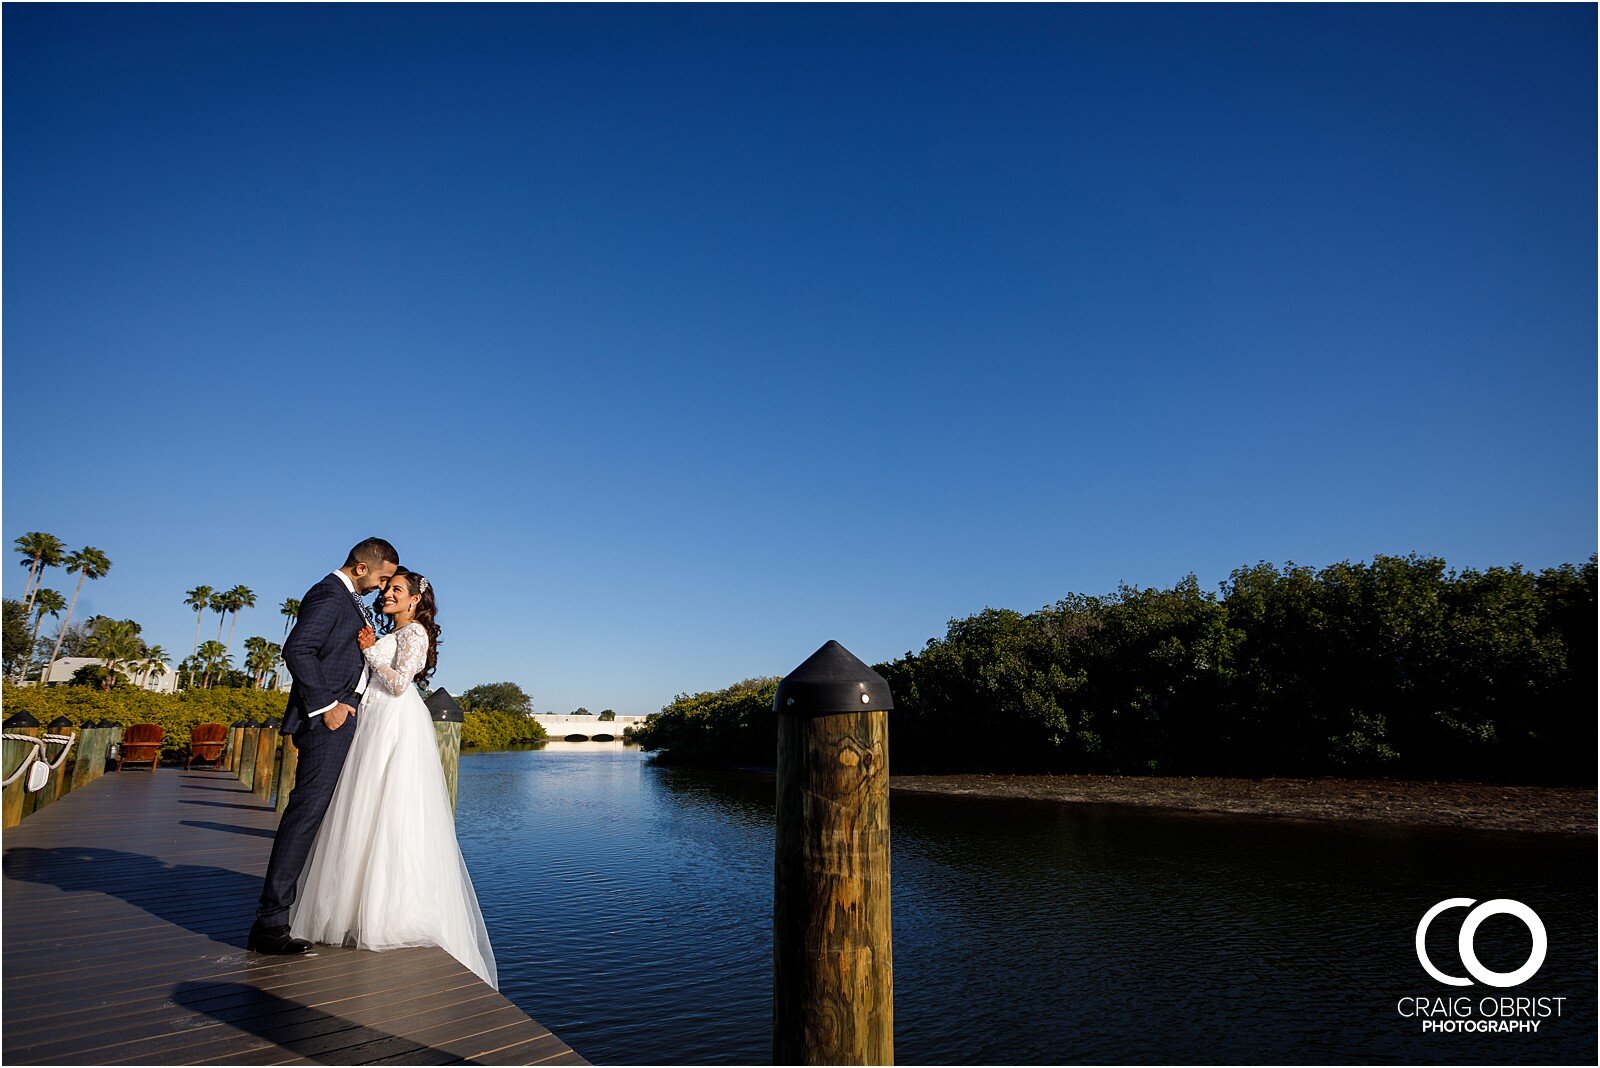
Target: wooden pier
(126,906)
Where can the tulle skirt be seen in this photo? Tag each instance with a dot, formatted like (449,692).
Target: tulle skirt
(386,870)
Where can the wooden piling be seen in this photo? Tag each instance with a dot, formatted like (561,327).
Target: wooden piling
(37,799)
(247,754)
(447,717)
(235,745)
(833,971)
(266,760)
(12,802)
(91,762)
(286,770)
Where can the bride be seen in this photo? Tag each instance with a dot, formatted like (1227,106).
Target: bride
(386,870)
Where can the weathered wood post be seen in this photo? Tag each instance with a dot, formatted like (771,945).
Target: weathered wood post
(235,744)
(15,753)
(60,726)
(286,769)
(833,968)
(84,766)
(91,762)
(266,758)
(447,719)
(114,742)
(247,753)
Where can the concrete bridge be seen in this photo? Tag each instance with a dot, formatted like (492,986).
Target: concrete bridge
(586,728)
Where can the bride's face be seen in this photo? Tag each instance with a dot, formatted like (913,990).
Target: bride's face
(397,597)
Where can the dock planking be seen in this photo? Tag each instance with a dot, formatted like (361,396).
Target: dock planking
(126,906)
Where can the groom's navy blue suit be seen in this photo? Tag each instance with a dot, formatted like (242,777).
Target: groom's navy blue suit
(322,655)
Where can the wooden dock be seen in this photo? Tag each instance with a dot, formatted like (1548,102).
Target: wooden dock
(125,910)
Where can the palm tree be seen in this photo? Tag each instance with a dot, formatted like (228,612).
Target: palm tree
(116,641)
(242,597)
(221,602)
(89,563)
(39,551)
(46,602)
(199,599)
(214,655)
(154,663)
(262,658)
(289,609)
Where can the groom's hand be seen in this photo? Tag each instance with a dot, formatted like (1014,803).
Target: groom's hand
(335,716)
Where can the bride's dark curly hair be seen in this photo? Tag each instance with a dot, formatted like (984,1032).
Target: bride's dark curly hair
(427,615)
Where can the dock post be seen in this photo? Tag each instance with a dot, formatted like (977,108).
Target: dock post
(832,955)
(266,760)
(52,790)
(286,771)
(447,718)
(247,754)
(235,744)
(15,753)
(91,762)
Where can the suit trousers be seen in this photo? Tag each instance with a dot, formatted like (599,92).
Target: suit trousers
(322,753)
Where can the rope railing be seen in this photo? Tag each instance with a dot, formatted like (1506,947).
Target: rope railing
(36,754)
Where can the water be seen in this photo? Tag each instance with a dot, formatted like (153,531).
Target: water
(630,907)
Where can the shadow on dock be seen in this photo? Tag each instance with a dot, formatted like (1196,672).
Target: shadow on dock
(179,894)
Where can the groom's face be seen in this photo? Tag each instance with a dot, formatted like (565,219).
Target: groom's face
(369,578)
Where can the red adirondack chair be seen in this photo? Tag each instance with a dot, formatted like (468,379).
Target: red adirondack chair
(206,742)
(141,742)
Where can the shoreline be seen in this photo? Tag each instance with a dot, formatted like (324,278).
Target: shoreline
(1468,806)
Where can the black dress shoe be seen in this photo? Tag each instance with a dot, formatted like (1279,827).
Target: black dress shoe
(275,940)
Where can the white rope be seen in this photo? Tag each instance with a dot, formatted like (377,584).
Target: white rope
(37,752)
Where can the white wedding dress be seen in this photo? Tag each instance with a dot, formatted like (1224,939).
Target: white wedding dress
(386,870)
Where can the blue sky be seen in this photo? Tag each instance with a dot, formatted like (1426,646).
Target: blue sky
(673,341)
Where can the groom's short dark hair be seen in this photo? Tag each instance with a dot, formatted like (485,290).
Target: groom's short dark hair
(372,552)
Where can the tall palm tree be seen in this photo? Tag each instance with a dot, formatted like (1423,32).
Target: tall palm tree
(199,599)
(116,641)
(214,655)
(289,609)
(89,563)
(46,602)
(154,663)
(262,658)
(274,658)
(242,597)
(39,551)
(221,602)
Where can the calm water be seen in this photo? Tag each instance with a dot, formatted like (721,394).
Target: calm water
(630,908)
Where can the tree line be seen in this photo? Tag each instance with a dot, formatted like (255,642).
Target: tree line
(1401,667)
(123,653)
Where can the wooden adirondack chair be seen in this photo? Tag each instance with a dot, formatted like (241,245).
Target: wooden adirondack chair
(141,742)
(206,742)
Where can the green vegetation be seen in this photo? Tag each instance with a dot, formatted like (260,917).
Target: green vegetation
(1398,667)
(497,715)
(127,705)
(731,726)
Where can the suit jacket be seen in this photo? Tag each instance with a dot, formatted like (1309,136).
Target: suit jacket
(321,652)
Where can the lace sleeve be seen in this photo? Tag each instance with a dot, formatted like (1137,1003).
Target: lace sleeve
(411,653)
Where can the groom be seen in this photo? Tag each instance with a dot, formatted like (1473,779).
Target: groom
(329,677)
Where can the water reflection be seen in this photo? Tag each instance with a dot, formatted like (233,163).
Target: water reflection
(631,907)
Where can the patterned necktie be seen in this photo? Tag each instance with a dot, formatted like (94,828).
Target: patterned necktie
(366,611)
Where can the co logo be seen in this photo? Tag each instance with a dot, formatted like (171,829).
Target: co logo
(1469,930)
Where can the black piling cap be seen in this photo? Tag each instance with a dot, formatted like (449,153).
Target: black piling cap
(443,708)
(832,680)
(251,725)
(60,721)
(273,722)
(21,719)
(240,723)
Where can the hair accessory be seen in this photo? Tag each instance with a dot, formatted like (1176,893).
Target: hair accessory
(422,585)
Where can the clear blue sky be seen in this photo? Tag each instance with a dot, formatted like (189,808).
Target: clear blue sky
(674,341)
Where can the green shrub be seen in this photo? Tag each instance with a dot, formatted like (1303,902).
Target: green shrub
(176,713)
(493,729)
